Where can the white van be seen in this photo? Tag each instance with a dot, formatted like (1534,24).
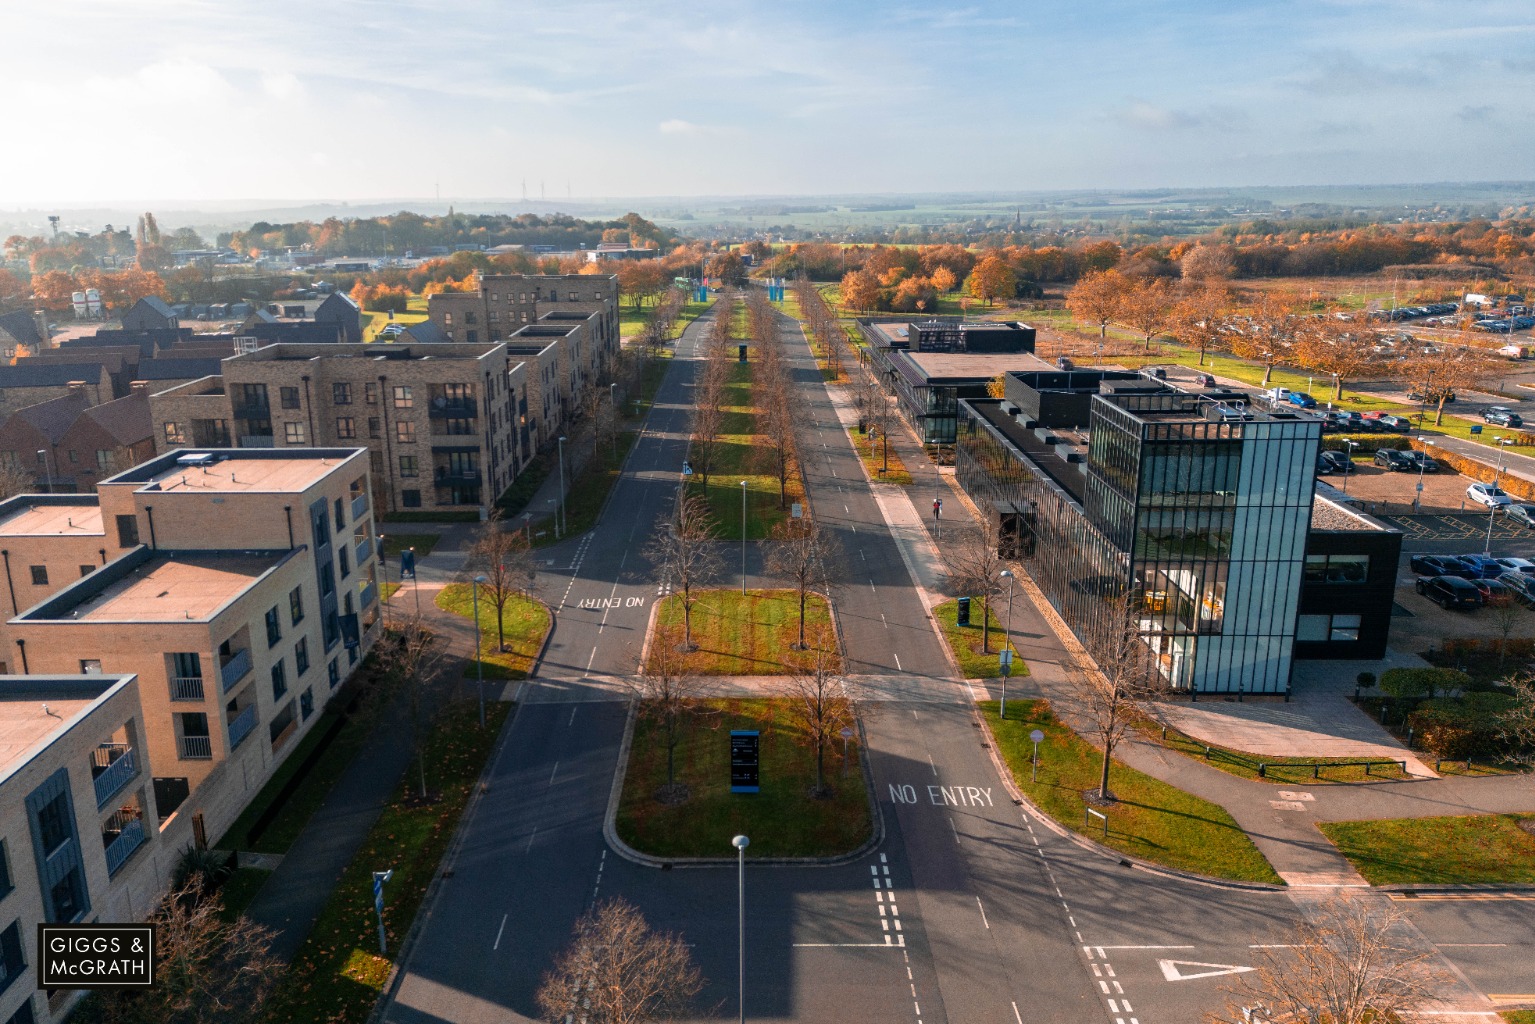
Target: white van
(1278,396)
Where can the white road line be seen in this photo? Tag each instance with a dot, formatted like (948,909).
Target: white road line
(530,840)
(1100,949)
(552,771)
(843,945)
(956,831)
(897,658)
(1018,1016)
(882,619)
(589,660)
(871,587)
(931,765)
(572,715)
(498,934)
(847,510)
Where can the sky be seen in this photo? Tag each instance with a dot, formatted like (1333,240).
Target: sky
(219,100)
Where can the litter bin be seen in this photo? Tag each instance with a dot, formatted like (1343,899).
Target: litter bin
(962,616)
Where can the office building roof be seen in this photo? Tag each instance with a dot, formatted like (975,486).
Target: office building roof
(40,515)
(941,367)
(243,474)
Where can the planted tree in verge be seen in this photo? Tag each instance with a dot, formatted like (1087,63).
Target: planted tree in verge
(617,970)
(804,556)
(684,552)
(505,559)
(819,704)
(1125,677)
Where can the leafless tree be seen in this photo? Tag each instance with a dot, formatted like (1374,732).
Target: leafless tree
(409,656)
(1507,616)
(667,694)
(818,702)
(13,479)
(806,557)
(684,551)
(1348,963)
(207,970)
(1516,726)
(974,569)
(505,559)
(1125,677)
(617,970)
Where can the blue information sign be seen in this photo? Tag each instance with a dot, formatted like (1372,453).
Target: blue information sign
(743,760)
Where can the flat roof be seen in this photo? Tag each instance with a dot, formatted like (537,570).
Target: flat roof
(80,520)
(1330,515)
(26,728)
(244,475)
(167,587)
(938,366)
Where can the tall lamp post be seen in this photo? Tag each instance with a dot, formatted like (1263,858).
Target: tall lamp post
(741,843)
(479,652)
(743,538)
(416,581)
(1348,467)
(1007,638)
(1417,500)
(559,526)
(1492,510)
(42,453)
(383,561)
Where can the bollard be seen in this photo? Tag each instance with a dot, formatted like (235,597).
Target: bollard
(1367,768)
(1409,737)
(1383,714)
(1241,691)
(1316,771)
(1263,770)
(1207,753)
(1438,765)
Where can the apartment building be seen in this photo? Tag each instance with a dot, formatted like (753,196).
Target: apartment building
(502,304)
(444,424)
(80,839)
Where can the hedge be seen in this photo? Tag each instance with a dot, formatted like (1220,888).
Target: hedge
(1515,646)
(1414,683)
(1364,444)
(1517,486)
(1462,728)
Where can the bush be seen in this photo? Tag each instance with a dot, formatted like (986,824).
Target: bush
(1365,444)
(1462,728)
(1417,683)
(1520,488)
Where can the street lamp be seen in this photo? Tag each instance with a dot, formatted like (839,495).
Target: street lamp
(1492,510)
(1417,501)
(743,538)
(416,579)
(1007,638)
(383,560)
(741,843)
(479,651)
(1348,467)
(42,453)
(559,526)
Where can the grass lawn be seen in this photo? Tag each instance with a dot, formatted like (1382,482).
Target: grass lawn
(1483,848)
(743,454)
(872,452)
(1150,819)
(1519,1016)
(301,804)
(1285,770)
(965,641)
(525,619)
(588,492)
(783,820)
(337,975)
(239,889)
(394,543)
(747,635)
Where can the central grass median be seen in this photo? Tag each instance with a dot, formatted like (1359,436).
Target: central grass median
(1149,818)
(525,621)
(749,634)
(783,820)
(965,641)
(1470,850)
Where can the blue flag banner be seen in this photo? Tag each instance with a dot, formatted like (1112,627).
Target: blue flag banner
(407,565)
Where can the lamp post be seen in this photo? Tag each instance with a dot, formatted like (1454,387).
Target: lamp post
(559,526)
(479,653)
(42,453)
(741,843)
(1428,383)
(1492,510)
(1007,638)
(743,538)
(416,580)
(383,561)
(1348,467)
(1417,500)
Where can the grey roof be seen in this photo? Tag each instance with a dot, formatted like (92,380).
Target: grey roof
(148,341)
(126,419)
(22,327)
(176,369)
(301,333)
(426,332)
(334,300)
(157,304)
(43,374)
(53,418)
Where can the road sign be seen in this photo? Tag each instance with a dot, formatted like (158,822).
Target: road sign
(797,511)
(1420,485)
(687,468)
(962,612)
(407,564)
(1037,736)
(1476,428)
(744,761)
(1005,657)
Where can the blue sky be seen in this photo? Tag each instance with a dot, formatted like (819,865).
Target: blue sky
(362,99)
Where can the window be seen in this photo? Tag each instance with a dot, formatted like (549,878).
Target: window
(327,579)
(333,672)
(472,337)
(340,514)
(408,465)
(53,825)
(289,398)
(341,394)
(273,627)
(174,434)
(104,460)
(279,680)
(346,428)
(127,531)
(13,962)
(456,425)
(5,869)
(74,457)
(370,393)
(405,432)
(1337,568)
(410,499)
(1325,628)
(296,605)
(470,318)
(494,316)
(1345,627)
(447,319)
(374,430)
(301,656)
(306,703)
(293,433)
(67,897)
(345,560)
(332,630)
(321,527)
(90,666)
(86,570)
(404,397)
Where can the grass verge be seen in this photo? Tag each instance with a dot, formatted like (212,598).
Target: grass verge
(1470,850)
(873,454)
(747,635)
(239,889)
(1278,770)
(394,543)
(783,820)
(525,620)
(588,491)
(965,641)
(337,975)
(1149,818)
(744,454)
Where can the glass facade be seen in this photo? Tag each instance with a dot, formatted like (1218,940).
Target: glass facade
(1203,522)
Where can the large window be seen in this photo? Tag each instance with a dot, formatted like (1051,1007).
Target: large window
(341,394)
(1337,568)
(53,829)
(294,433)
(174,434)
(1328,628)
(289,398)
(403,396)
(301,656)
(346,428)
(409,466)
(296,605)
(405,432)
(273,627)
(279,680)
(13,962)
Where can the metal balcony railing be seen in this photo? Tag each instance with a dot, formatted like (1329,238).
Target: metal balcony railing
(257,441)
(361,552)
(359,506)
(186,687)
(369,595)
(446,476)
(241,727)
(121,767)
(130,836)
(233,670)
(196,748)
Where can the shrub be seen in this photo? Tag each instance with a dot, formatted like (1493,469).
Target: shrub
(1520,488)
(1365,680)
(1365,444)
(1417,683)
(1462,728)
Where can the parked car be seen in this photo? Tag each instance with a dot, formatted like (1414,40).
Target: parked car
(1523,566)
(1063,363)
(1302,399)
(1486,566)
(1494,591)
(1205,380)
(1154,372)
(1503,416)
(1521,586)
(392,330)
(1438,565)
(1451,592)
(1386,422)
(1335,462)
(1489,495)
(1420,396)
(1521,513)
(1277,395)
(1421,462)
(1391,459)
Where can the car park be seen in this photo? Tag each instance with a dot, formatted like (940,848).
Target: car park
(1489,495)
(1302,399)
(1277,395)
(1334,462)
(1503,416)
(1485,566)
(1421,462)
(1523,566)
(1451,592)
(1154,372)
(1439,565)
(1521,586)
(1391,459)
(1521,513)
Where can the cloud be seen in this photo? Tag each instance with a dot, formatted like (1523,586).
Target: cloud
(677,126)
(1475,115)
(1149,117)
(1343,73)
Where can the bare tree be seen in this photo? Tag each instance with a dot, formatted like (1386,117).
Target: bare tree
(1147,306)
(13,479)
(1125,677)
(207,970)
(1435,379)
(667,693)
(1516,725)
(804,556)
(975,570)
(1349,963)
(616,970)
(1507,615)
(818,702)
(683,549)
(505,559)
(1336,347)
(409,655)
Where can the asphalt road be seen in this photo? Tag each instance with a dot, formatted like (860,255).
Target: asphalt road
(967,912)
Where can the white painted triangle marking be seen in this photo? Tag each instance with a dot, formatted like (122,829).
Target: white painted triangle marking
(1171,972)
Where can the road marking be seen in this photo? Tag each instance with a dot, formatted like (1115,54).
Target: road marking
(1170,969)
(573,713)
(983,914)
(871,587)
(1016,1015)
(897,658)
(1100,949)
(552,771)
(530,840)
(930,763)
(882,619)
(844,945)
(1471,945)
(955,830)
(497,944)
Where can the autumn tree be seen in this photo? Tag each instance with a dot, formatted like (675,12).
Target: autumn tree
(860,290)
(684,552)
(54,290)
(1516,724)
(943,280)
(617,970)
(805,556)
(667,692)
(1436,379)
(818,703)
(974,568)
(992,279)
(1198,318)
(1206,263)
(1147,307)
(1330,346)
(1098,297)
(505,559)
(1271,332)
(1120,679)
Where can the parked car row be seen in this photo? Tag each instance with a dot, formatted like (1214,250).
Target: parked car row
(1470,567)
(1413,461)
(1364,422)
(1489,495)
(1461,594)
(1502,416)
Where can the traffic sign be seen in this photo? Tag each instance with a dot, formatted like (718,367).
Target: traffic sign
(1005,657)
(1037,736)
(797,511)
(743,760)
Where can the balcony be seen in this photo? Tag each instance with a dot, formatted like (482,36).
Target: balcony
(122,836)
(369,595)
(361,552)
(447,477)
(241,727)
(455,410)
(186,687)
(257,441)
(233,670)
(112,765)
(195,748)
(359,506)
(252,410)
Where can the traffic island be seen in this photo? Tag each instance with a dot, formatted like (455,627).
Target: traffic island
(1479,849)
(750,634)
(525,623)
(970,645)
(1147,818)
(785,818)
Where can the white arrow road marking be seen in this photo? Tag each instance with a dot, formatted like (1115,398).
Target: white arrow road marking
(1171,973)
